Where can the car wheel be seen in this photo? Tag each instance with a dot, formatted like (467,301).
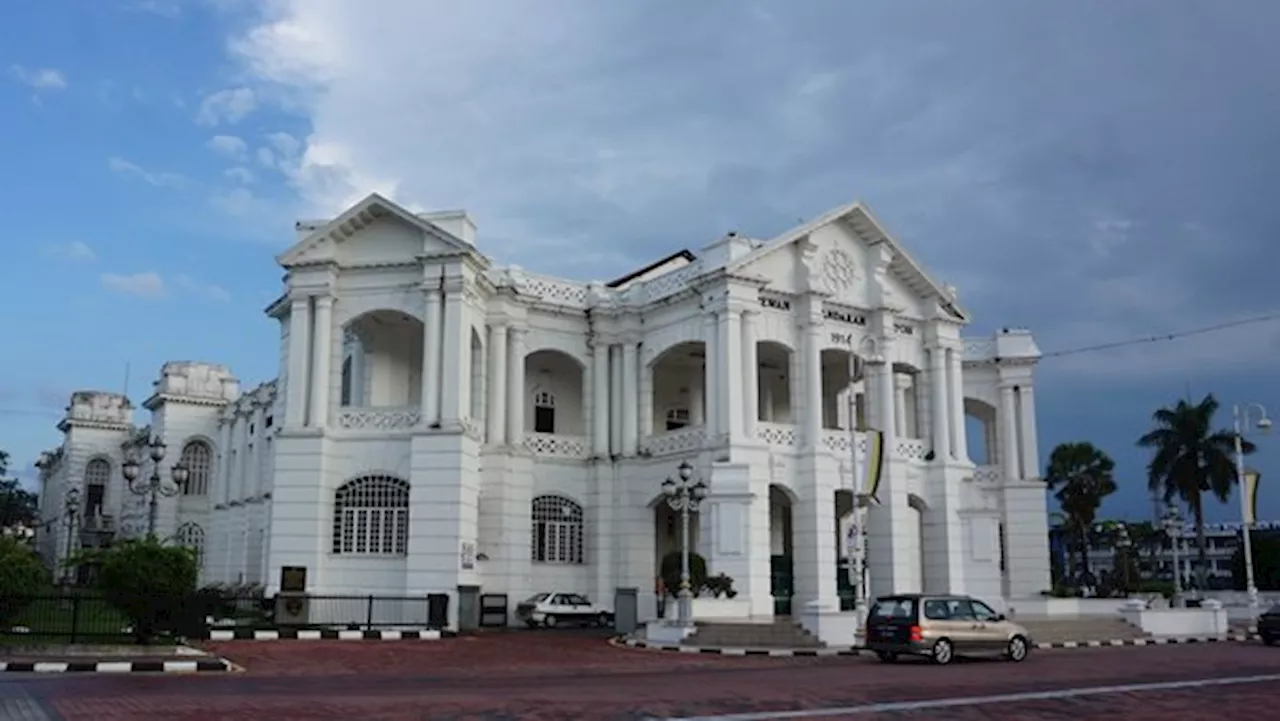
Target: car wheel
(887,656)
(550,622)
(1017,650)
(604,621)
(943,652)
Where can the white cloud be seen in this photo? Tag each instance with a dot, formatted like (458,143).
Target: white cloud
(240,174)
(228,145)
(158,179)
(143,285)
(285,144)
(207,291)
(76,250)
(168,9)
(266,158)
(39,78)
(152,286)
(226,106)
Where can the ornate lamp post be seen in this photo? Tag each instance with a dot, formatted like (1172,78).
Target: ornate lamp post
(1123,544)
(684,496)
(1242,415)
(70,512)
(154,485)
(1172,523)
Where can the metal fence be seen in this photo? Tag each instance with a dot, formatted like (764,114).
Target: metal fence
(84,617)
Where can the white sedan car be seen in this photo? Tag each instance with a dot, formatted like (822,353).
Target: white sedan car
(556,608)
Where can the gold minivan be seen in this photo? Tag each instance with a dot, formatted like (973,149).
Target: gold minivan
(941,627)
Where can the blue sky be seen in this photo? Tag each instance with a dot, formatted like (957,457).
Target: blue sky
(1076,168)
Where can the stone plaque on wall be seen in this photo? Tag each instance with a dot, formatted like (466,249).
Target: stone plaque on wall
(293,579)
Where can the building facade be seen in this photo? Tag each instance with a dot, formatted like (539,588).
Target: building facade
(441,423)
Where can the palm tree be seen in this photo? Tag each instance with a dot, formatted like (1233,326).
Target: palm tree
(1080,476)
(1191,458)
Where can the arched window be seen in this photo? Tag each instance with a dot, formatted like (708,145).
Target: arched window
(371,517)
(544,412)
(191,535)
(557,530)
(346,382)
(677,418)
(97,473)
(197,456)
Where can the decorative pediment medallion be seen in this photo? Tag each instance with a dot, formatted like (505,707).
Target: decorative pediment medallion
(839,272)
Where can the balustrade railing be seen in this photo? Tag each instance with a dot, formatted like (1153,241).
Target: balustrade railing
(691,438)
(551,445)
(776,434)
(379,418)
(987,475)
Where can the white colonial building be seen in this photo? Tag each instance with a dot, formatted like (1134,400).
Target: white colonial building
(442,423)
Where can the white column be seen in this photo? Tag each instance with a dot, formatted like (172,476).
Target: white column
(939,410)
(750,375)
(901,382)
(630,396)
(955,383)
(1027,415)
(887,395)
(646,402)
(516,402)
(455,370)
(431,348)
(224,459)
(615,399)
(811,402)
(235,473)
(299,362)
(1008,433)
(253,478)
(711,379)
(321,352)
(600,393)
(496,421)
(729,373)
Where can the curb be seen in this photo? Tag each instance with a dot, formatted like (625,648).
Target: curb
(625,642)
(118,667)
(327,634)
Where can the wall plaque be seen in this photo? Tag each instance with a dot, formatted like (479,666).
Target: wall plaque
(293,579)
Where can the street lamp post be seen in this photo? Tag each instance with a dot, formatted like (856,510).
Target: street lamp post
(70,510)
(1172,522)
(1123,543)
(1241,416)
(154,485)
(684,496)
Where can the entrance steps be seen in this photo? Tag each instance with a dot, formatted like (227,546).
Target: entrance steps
(1080,629)
(778,633)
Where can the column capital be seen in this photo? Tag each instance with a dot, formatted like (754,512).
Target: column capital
(324,301)
(517,333)
(903,381)
(454,285)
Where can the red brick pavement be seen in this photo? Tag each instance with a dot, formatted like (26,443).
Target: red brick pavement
(566,676)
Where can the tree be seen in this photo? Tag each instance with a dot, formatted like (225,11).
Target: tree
(150,583)
(22,575)
(18,506)
(1080,476)
(1191,459)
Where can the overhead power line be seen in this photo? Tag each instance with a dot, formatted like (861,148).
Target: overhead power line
(1164,337)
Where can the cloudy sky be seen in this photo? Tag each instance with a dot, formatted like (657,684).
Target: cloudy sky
(1093,170)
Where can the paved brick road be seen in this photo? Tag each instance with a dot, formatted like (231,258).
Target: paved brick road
(576,676)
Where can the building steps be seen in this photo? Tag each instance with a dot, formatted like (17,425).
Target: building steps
(1080,629)
(779,633)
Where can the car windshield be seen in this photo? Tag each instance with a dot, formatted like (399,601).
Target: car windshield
(894,608)
(537,598)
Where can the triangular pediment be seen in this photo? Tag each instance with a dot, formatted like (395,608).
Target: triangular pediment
(835,253)
(375,230)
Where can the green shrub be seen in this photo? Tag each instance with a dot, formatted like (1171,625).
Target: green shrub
(670,572)
(151,584)
(720,586)
(1164,588)
(22,575)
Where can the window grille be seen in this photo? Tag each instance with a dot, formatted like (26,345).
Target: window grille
(96,476)
(371,517)
(191,535)
(544,412)
(557,530)
(198,458)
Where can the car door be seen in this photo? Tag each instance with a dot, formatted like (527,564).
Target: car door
(560,607)
(579,606)
(990,630)
(962,626)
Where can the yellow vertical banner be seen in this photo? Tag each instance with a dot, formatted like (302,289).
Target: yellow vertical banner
(1251,479)
(874,463)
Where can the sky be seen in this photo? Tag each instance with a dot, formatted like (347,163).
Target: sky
(1094,171)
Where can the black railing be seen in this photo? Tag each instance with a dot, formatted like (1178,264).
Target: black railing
(91,618)
(351,612)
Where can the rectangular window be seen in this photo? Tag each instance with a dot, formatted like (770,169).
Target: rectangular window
(544,419)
